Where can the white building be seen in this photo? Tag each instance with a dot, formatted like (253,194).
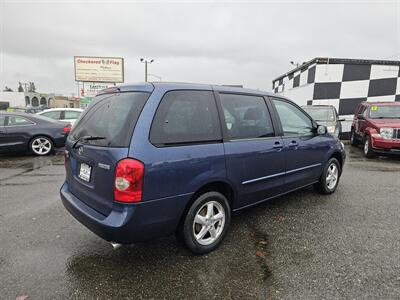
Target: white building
(12,99)
(343,83)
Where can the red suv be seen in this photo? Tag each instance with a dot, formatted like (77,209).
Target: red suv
(377,126)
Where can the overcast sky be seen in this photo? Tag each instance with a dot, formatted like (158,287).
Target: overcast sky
(221,42)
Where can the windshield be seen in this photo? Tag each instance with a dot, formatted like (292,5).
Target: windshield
(320,113)
(384,112)
(111,117)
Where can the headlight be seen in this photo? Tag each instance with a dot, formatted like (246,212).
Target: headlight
(386,133)
(331,129)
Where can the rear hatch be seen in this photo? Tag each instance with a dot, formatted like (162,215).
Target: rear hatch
(99,139)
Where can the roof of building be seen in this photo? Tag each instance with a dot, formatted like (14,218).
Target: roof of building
(332,60)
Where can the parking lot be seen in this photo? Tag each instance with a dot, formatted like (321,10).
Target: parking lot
(304,245)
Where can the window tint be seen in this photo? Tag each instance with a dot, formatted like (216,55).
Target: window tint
(17,120)
(2,120)
(52,114)
(71,115)
(112,117)
(293,120)
(185,117)
(246,117)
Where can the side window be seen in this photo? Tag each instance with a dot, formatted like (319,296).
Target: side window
(185,117)
(17,120)
(246,117)
(53,114)
(2,120)
(293,120)
(71,115)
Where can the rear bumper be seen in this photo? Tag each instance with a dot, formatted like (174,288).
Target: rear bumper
(385,145)
(60,141)
(128,223)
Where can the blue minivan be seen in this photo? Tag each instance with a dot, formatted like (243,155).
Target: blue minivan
(153,159)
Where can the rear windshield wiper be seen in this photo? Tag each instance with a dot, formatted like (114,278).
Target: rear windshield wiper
(87,138)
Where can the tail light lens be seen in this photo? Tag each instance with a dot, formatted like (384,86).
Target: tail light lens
(128,184)
(67,129)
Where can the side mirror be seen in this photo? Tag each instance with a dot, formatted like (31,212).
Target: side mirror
(360,116)
(321,130)
(341,120)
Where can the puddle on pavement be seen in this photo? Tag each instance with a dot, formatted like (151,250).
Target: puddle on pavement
(30,163)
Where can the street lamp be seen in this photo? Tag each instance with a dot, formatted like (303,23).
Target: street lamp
(145,61)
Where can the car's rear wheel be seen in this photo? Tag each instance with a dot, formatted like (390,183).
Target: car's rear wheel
(329,179)
(41,145)
(368,152)
(353,138)
(206,222)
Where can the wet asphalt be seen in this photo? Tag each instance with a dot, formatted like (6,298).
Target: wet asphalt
(301,246)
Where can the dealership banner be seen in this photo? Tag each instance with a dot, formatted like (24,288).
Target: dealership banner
(99,69)
(91,89)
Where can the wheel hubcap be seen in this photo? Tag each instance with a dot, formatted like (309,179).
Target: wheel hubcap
(209,223)
(41,146)
(332,176)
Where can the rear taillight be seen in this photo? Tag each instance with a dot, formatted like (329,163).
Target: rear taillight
(128,183)
(67,129)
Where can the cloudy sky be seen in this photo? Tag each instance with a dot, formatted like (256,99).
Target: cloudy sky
(221,42)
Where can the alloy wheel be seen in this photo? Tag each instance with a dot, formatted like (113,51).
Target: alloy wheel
(366,146)
(209,223)
(41,146)
(332,176)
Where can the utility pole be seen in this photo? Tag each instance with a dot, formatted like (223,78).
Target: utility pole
(145,61)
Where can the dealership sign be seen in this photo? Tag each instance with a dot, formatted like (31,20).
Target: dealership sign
(99,69)
(91,89)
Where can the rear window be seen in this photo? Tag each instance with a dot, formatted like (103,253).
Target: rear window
(71,115)
(56,115)
(112,117)
(185,117)
(17,120)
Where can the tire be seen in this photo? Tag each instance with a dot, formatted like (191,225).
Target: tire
(41,145)
(329,179)
(353,139)
(367,149)
(199,221)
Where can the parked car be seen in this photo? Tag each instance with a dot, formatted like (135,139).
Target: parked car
(149,160)
(376,126)
(66,115)
(326,115)
(28,109)
(31,133)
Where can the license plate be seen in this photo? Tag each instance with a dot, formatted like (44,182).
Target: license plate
(84,172)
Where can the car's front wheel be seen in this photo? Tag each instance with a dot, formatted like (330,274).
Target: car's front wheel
(329,179)
(368,152)
(41,145)
(206,223)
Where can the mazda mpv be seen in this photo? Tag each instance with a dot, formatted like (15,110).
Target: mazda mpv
(153,159)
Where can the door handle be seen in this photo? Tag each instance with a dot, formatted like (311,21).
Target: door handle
(293,144)
(278,146)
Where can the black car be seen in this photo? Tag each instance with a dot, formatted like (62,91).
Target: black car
(31,133)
